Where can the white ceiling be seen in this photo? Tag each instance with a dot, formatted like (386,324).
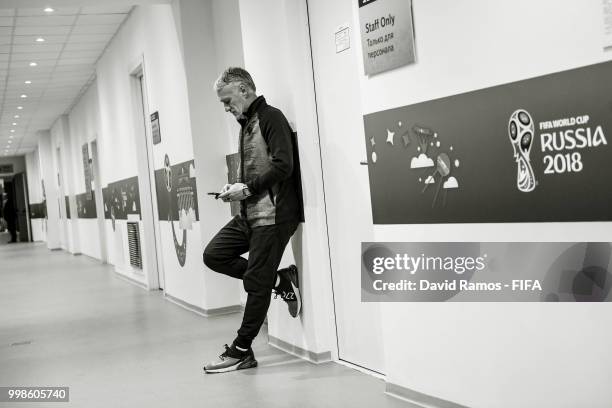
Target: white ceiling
(75,37)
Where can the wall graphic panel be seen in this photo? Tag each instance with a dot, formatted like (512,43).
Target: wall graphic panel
(38,210)
(529,151)
(86,205)
(121,198)
(177,200)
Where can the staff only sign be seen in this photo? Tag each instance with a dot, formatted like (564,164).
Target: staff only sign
(529,151)
(387,35)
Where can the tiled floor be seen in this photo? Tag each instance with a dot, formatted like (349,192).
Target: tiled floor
(116,345)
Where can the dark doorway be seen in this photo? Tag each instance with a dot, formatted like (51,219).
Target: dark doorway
(20,193)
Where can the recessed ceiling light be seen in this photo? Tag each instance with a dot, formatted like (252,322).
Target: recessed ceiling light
(24,95)
(33,64)
(20,107)
(16,116)
(49,10)
(14,123)
(40,39)
(27,82)
(10,141)
(11,136)
(12,130)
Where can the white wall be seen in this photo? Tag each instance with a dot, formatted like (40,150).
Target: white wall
(229,53)
(64,166)
(150,38)
(200,42)
(498,354)
(48,177)
(147,38)
(84,126)
(33,172)
(35,195)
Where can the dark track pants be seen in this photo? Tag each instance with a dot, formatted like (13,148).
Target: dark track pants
(265,246)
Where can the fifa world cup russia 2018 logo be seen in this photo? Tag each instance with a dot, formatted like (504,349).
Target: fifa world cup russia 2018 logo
(521,132)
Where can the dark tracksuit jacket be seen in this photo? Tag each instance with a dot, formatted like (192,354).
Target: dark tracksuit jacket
(269,166)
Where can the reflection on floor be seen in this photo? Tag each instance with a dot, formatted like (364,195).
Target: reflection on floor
(68,321)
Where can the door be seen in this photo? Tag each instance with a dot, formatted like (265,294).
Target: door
(146,167)
(347,192)
(20,189)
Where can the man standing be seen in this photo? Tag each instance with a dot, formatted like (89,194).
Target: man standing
(269,192)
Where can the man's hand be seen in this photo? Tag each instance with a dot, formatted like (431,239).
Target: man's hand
(225,188)
(233,192)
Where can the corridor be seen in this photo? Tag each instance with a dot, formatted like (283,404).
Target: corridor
(70,321)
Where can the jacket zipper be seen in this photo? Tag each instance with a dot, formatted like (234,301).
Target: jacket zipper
(242,180)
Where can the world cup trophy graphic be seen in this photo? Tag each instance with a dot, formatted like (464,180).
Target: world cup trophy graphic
(521,131)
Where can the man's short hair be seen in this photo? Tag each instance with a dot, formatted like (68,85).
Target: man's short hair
(235,74)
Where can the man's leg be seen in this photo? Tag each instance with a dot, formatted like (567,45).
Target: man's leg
(266,250)
(267,245)
(222,254)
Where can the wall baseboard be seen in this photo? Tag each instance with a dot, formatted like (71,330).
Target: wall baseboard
(203,312)
(131,280)
(316,358)
(418,398)
(93,258)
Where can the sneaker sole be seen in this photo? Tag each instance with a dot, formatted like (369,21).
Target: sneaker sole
(242,366)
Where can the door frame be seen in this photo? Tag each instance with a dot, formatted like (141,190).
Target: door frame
(148,206)
(332,236)
(95,157)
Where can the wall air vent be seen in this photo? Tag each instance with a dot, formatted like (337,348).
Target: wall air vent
(134,243)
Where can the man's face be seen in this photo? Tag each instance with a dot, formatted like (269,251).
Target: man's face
(233,98)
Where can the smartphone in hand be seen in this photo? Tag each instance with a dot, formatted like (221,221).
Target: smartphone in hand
(214,194)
